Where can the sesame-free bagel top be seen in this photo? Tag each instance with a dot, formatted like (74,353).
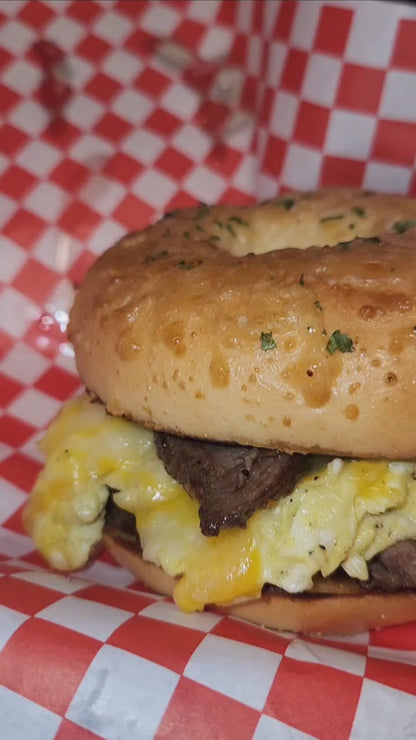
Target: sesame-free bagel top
(310,349)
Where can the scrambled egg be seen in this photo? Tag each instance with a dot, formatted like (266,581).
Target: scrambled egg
(342,514)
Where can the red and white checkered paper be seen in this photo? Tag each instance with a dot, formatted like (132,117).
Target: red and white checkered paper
(172,103)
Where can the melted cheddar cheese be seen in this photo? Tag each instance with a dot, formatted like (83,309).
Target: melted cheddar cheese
(343,513)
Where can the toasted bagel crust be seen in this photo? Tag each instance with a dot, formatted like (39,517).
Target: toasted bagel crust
(176,332)
(331,614)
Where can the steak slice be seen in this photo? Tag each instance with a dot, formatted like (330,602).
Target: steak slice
(394,568)
(119,523)
(230,482)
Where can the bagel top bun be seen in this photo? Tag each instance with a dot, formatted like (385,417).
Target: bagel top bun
(219,323)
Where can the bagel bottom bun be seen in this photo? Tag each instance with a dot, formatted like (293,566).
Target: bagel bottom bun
(346,610)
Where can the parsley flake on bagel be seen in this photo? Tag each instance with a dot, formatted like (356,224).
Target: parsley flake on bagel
(336,217)
(339,341)
(402,226)
(267,341)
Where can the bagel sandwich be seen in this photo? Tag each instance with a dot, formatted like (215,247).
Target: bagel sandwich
(247,439)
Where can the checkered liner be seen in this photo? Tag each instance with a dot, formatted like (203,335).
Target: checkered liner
(172,103)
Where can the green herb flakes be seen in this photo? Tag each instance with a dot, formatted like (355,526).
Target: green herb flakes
(402,226)
(339,341)
(317,305)
(373,239)
(230,229)
(286,203)
(238,220)
(267,341)
(358,211)
(203,210)
(336,217)
(301,280)
(183,265)
(172,214)
(154,257)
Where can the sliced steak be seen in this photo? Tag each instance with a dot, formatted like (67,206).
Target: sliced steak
(119,523)
(394,568)
(230,481)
